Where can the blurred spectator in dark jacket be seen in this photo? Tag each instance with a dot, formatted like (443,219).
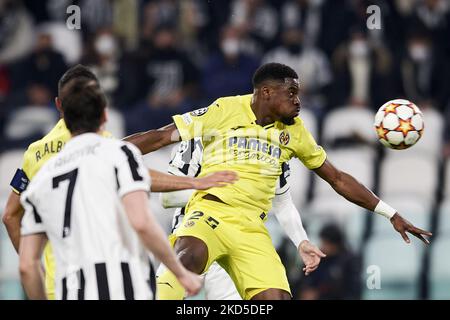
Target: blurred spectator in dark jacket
(362,73)
(161,71)
(258,20)
(310,63)
(103,59)
(424,70)
(229,71)
(338,275)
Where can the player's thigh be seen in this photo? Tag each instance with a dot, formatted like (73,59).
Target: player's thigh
(218,284)
(255,266)
(200,237)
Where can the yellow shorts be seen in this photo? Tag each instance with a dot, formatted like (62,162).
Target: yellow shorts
(49,266)
(239,242)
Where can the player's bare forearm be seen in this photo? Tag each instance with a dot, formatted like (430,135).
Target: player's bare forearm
(162,182)
(12,217)
(31,272)
(154,139)
(347,186)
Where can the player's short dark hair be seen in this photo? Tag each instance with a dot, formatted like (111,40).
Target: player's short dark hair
(273,71)
(83,105)
(79,72)
(332,233)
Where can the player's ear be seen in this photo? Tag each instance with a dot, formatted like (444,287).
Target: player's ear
(58,105)
(104,116)
(265,92)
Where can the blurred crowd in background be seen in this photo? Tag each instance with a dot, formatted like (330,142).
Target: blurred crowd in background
(163,57)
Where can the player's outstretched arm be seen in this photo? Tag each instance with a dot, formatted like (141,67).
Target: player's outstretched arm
(291,222)
(152,140)
(12,216)
(31,272)
(154,238)
(352,190)
(163,182)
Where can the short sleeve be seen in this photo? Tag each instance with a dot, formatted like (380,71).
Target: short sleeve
(201,122)
(306,148)
(283,182)
(187,158)
(31,222)
(131,174)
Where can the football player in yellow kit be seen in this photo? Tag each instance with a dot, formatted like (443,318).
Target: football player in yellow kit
(252,135)
(42,150)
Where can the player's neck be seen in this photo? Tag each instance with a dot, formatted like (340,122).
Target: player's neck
(79,133)
(263,115)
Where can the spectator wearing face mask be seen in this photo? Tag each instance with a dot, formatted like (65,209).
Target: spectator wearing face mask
(338,276)
(309,62)
(424,70)
(229,71)
(103,60)
(363,73)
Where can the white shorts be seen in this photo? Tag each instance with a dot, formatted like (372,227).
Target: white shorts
(217,283)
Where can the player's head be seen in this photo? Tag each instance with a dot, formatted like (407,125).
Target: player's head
(276,87)
(79,73)
(84,106)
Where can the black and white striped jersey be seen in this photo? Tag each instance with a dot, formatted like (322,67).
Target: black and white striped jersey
(186,161)
(76,200)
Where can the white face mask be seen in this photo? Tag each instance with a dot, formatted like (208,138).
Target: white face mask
(419,52)
(105,45)
(230,47)
(359,48)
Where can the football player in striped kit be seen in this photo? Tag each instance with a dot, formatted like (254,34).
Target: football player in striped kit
(217,283)
(91,201)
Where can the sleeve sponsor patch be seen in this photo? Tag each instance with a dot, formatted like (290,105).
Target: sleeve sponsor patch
(186,118)
(20,181)
(199,112)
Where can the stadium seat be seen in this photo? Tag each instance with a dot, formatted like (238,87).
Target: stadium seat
(412,209)
(431,141)
(336,124)
(299,181)
(439,277)
(9,162)
(398,264)
(403,173)
(116,123)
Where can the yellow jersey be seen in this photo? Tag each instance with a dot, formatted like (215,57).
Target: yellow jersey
(37,154)
(233,141)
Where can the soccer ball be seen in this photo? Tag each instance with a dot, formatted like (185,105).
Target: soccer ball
(399,124)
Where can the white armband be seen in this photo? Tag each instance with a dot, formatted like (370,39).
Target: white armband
(384,209)
(176,199)
(289,218)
